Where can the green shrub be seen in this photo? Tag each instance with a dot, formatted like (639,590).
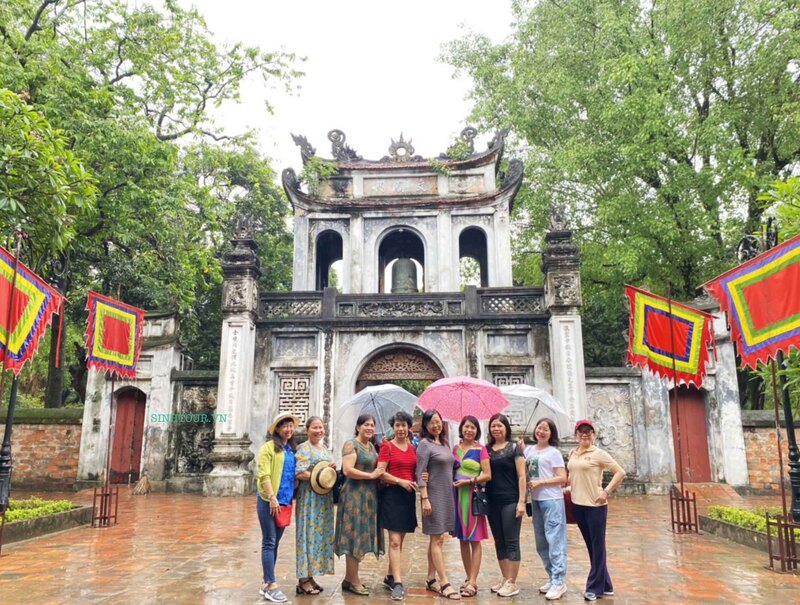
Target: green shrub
(31,508)
(749,519)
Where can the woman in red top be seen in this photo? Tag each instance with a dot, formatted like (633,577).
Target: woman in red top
(397,505)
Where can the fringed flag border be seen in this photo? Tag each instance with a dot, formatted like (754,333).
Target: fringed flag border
(757,345)
(690,364)
(21,344)
(99,307)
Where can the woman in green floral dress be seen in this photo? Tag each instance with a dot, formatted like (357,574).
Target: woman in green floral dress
(357,531)
(314,513)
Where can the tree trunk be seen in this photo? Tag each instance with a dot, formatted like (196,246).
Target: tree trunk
(53,397)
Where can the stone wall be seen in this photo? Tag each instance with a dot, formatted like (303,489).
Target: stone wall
(45,448)
(762,451)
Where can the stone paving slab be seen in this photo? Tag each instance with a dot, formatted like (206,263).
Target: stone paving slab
(183,548)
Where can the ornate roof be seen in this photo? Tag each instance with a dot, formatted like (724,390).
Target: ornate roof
(458,177)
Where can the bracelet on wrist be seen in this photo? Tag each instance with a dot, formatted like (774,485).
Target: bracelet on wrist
(423,497)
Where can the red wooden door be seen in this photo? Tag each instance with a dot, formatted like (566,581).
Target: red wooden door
(693,435)
(128,432)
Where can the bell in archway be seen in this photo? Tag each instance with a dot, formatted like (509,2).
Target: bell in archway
(404,276)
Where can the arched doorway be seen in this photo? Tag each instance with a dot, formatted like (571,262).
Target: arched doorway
(329,250)
(472,246)
(399,365)
(126,452)
(400,243)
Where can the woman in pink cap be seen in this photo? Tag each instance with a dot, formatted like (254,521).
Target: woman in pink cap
(590,504)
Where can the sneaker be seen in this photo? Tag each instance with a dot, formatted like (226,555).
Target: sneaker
(388,582)
(398,592)
(499,585)
(556,592)
(509,589)
(608,593)
(589,596)
(275,595)
(545,587)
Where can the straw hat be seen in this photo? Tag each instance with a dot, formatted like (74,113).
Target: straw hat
(280,418)
(323,478)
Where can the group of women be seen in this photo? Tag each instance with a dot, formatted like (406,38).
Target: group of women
(380,493)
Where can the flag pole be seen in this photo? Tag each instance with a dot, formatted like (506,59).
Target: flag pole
(6,463)
(675,385)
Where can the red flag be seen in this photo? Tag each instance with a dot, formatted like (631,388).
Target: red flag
(32,303)
(762,300)
(651,346)
(113,335)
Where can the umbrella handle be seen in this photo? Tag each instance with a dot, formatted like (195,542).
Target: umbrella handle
(530,418)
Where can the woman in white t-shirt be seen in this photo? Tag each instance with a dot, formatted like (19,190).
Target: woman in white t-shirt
(545,476)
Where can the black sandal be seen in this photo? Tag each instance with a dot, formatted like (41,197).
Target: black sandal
(432,586)
(310,591)
(314,583)
(453,595)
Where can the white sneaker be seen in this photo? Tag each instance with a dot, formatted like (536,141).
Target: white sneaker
(509,589)
(556,592)
(499,585)
(545,587)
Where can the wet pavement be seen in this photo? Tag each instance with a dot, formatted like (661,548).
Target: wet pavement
(182,548)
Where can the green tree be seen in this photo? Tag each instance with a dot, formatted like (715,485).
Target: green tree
(132,88)
(655,124)
(43,187)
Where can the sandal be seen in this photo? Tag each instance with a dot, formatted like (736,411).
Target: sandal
(306,587)
(469,590)
(433,586)
(452,594)
(314,583)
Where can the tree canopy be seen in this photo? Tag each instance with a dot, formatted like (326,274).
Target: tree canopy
(656,124)
(131,89)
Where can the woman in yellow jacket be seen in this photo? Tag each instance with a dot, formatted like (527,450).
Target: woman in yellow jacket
(276,478)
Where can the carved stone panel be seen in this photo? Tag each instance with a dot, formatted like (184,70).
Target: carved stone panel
(239,295)
(294,347)
(564,289)
(610,408)
(507,344)
(401,309)
(402,364)
(294,393)
(195,439)
(401,186)
(467,183)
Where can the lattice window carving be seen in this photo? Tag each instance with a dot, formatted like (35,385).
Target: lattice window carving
(516,415)
(291,308)
(505,379)
(294,394)
(512,304)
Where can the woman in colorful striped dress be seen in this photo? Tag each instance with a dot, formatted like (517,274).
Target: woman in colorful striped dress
(472,468)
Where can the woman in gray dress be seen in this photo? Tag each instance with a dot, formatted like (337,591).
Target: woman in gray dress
(435,461)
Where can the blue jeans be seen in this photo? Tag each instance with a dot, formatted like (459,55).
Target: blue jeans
(550,530)
(271,536)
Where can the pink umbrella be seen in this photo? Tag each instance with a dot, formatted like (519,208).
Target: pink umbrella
(461,396)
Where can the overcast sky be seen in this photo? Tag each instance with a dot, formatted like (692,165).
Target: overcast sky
(371,70)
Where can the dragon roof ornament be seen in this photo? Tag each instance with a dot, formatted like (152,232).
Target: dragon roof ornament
(401,150)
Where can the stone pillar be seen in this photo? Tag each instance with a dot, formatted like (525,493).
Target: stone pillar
(561,266)
(231,456)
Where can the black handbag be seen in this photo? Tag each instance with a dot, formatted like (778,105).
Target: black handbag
(480,502)
(337,487)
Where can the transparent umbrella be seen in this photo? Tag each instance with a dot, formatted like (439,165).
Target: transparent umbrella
(527,405)
(382,401)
